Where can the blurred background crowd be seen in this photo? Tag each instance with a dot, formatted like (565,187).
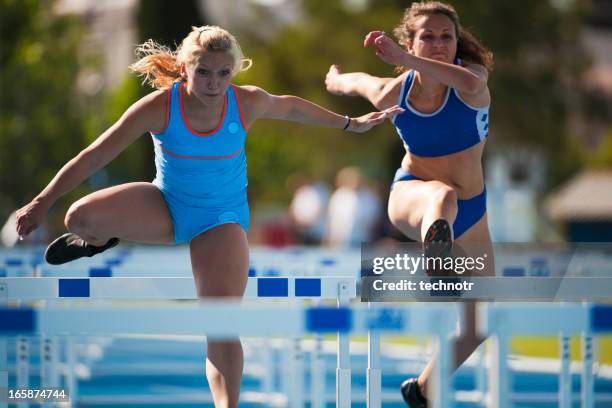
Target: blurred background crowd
(548,162)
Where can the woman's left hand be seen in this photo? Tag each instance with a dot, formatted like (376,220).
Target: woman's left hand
(386,49)
(366,122)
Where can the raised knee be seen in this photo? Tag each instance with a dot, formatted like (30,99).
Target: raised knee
(78,217)
(444,196)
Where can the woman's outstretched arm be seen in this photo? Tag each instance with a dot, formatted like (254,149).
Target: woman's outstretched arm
(470,79)
(260,104)
(379,91)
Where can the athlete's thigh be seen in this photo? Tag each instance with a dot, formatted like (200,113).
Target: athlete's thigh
(408,202)
(132,211)
(220,261)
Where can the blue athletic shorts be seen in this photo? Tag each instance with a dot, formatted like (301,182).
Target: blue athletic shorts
(190,221)
(469,211)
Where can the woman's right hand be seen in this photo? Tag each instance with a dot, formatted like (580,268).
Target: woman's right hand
(368,121)
(386,49)
(30,216)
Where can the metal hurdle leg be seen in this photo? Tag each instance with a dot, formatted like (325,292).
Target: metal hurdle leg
(373,374)
(296,396)
(587,370)
(318,374)
(285,369)
(268,363)
(22,375)
(343,370)
(565,376)
(49,363)
(481,373)
(3,351)
(71,365)
(442,370)
(498,371)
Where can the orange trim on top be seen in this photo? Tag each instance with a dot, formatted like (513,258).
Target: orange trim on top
(167,119)
(201,157)
(184,116)
(239,108)
(167,110)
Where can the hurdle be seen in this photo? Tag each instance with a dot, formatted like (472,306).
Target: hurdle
(262,318)
(102,288)
(168,288)
(501,321)
(266,318)
(130,262)
(184,287)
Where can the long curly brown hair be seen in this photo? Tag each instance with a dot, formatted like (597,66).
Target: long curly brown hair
(468,46)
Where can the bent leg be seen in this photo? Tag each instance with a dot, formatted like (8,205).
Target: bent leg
(414,205)
(475,242)
(220,262)
(132,212)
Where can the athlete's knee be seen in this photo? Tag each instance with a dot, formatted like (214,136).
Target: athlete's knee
(76,217)
(444,196)
(80,217)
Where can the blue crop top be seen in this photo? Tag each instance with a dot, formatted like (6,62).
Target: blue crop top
(202,169)
(454,127)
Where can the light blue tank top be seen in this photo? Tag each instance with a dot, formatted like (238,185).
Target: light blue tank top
(454,127)
(202,169)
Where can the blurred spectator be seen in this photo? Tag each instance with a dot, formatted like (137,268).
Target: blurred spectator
(354,210)
(308,208)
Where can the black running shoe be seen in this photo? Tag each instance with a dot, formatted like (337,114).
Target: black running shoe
(438,243)
(412,394)
(70,246)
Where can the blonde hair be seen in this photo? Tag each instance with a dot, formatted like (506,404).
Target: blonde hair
(160,66)
(468,46)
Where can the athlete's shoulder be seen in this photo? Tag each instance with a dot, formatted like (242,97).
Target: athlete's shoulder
(152,109)
(249,92)
(252,97)
(390,91)
(153,100)
(480,96)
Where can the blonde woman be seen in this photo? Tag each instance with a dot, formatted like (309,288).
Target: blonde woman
(198,121)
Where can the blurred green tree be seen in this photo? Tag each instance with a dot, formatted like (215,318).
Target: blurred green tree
(40,116)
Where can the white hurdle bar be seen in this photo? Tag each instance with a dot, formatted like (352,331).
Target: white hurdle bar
(501,321)
(25,289)
(262,264)
(225,319)
(263,318)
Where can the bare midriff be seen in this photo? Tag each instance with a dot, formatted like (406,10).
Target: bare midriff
(462,170)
